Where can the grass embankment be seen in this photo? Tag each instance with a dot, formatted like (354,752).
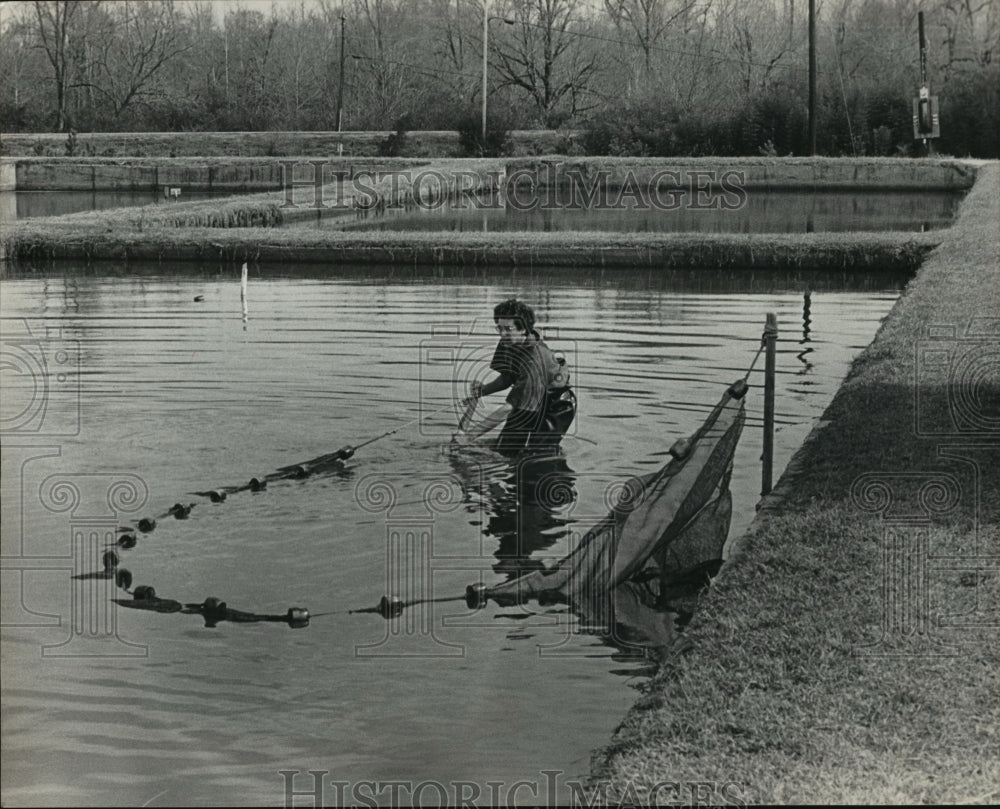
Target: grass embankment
(894,252)
(264,144)
(246,229)
(776,691)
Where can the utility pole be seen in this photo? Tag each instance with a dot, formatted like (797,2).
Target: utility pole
(926,123)
(923,48)
(924,89)
(226,47)
(340,89)
(812,77)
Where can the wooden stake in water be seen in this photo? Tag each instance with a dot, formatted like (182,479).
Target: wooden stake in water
(770,339)
(243,292)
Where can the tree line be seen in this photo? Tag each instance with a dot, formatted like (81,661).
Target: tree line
(640,77)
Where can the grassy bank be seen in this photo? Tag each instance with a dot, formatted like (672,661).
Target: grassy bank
(264,144)
(245,228)
(825,664)
(894,252)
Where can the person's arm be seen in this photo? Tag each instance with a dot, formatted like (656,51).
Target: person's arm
(498,383)
(477,390)
(470,432)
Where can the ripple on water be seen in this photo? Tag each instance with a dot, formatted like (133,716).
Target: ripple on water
(184,398)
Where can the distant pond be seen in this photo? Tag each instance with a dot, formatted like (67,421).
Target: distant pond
(16,205)
(753,211)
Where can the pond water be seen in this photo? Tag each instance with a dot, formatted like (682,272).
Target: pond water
(758,211)
(23,204)
(152,396)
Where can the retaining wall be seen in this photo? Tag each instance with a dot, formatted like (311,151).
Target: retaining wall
(8,176)
(267,173)
(191,174)
(749,172)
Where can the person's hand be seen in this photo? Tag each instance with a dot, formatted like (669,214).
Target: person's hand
(475,389)
(461,438)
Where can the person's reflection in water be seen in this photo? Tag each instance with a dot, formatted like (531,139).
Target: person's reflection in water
(530,515)
(527,504)
(525,500)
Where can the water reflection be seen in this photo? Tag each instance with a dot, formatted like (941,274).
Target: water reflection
(212,610)
(636,622)
(62,282)
(526,502)
(761,211)
(16,205)
(177,394)
(527,505)
(806,321)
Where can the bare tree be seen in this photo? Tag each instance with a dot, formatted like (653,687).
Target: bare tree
(647,21)
(392,71)
(751,36)
(17,62)
(304,50)
(55,18)
(971,35)
(545,58)
(455,32)
(248,49)
(136,41)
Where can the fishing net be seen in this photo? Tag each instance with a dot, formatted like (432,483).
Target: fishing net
(670,523)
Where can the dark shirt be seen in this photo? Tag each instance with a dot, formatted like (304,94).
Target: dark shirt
(532,369)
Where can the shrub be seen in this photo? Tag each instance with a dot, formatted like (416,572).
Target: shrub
(497,140)
(15,117)
(635,129)
(779,117)
(566,144)
(970,114)
(395,144)
(886,122)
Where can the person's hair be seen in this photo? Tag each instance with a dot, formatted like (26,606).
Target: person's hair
(518,311)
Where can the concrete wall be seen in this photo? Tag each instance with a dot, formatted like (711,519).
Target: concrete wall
(188,173)
(266,174)
(748,172)
(8,176)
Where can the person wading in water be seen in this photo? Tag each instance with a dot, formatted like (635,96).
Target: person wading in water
(542,403)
